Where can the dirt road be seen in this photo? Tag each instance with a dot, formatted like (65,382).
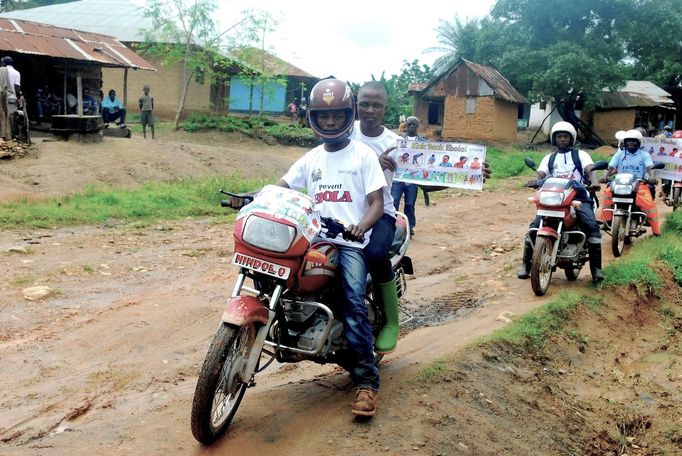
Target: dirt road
(108,362)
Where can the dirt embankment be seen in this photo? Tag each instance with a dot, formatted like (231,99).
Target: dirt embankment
(107,363)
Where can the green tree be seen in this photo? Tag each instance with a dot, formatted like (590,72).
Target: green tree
(185,32)
(457,39)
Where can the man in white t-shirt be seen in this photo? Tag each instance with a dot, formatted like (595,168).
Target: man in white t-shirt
(372,98)
(15,84)
(345,179)
(561,163)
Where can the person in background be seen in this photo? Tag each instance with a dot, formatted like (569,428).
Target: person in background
(303,112)
(398,189)
(5,89)
(113,109)
(146,103)
(15,84)
(90,105)
(293,111)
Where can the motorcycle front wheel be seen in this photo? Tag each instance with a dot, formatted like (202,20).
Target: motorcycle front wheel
(220,388)
(541,269)
(676,197)
(618,236)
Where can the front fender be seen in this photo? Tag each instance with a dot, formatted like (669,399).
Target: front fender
(243,310)
(548,232)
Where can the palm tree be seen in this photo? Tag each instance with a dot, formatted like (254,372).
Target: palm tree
(457,39)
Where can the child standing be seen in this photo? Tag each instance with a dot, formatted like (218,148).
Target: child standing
(146,103)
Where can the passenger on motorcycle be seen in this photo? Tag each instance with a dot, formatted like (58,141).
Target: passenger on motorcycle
(345,179)
(562,164)
(371,105)
(633,159)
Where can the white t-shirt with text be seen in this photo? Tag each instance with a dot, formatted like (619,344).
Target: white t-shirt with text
(339,182)
(379,144)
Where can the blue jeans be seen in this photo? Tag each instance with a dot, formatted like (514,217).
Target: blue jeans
(357,328)
(376,251)
(410,191)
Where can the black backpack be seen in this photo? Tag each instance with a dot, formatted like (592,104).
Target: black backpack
(575,156)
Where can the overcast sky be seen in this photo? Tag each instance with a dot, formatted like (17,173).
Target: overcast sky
(353,39)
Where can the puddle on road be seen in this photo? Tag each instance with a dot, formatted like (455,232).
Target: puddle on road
(438,311)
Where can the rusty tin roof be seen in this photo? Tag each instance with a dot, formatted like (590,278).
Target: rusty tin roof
(26,37)
(635,94)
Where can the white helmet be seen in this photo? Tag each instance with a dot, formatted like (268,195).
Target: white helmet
(633,134)
(620,135)
(563,127)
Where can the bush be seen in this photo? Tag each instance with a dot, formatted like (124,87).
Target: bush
(255,127)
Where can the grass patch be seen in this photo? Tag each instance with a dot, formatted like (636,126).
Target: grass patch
(432,371)
(532,329)
(143,205)
(23,280)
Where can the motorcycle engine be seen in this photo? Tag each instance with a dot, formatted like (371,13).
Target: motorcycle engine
(313,336)
(307,321)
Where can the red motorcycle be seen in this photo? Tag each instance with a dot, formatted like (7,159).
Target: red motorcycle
(559,242)
(291,311)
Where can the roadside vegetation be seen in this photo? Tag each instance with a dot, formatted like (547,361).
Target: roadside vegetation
(638,271)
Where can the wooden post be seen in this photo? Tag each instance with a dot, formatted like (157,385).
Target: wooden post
(66,105)
(125,87)
(79,89)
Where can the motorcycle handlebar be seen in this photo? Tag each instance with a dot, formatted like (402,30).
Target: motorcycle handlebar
(335,227)
(246,197)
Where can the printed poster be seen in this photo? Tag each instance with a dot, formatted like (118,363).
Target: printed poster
(286,204)
(668,151)
(448,164)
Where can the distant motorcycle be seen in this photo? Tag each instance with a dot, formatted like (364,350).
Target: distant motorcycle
(291,313)
(628,220)
(559,242)
(674,196)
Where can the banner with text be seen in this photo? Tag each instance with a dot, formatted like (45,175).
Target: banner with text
(668,151)
(449,164)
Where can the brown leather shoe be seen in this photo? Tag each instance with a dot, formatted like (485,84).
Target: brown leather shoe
(366,402)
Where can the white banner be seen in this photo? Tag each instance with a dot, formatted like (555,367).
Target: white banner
(448,164)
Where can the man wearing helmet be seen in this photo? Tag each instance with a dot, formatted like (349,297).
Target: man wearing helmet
(350,170)
(633,159)
(566,162)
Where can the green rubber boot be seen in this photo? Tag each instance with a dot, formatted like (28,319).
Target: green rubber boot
(387,338)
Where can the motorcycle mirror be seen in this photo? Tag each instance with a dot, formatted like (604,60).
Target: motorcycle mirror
(529,163)
(659,165)
(601,164)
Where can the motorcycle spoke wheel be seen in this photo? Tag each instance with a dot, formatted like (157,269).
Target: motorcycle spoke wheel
(220,387)
(541,268)
(617,236)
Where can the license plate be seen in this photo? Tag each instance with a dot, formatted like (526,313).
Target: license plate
(262,266)
(622,200)
(546,213)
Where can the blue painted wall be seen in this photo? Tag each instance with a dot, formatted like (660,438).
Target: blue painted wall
(240,88)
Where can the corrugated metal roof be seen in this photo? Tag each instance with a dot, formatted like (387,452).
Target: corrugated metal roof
(273,64)
(635,94)
(501,87)
(119,18)
(27,37)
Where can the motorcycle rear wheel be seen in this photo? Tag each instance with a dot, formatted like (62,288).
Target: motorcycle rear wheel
(541,269)
(220,388)
(676,197)
(618,236)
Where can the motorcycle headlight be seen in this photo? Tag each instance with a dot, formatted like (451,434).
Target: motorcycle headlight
(622,189)
(267,234)
(551,198)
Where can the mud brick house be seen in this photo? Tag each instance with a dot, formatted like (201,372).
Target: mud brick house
(639,103)
(468,101)
(126,22)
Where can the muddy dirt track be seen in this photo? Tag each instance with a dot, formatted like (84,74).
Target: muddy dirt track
(107,363)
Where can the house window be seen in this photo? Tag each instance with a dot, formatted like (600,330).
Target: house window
(470,106)
(435,113)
